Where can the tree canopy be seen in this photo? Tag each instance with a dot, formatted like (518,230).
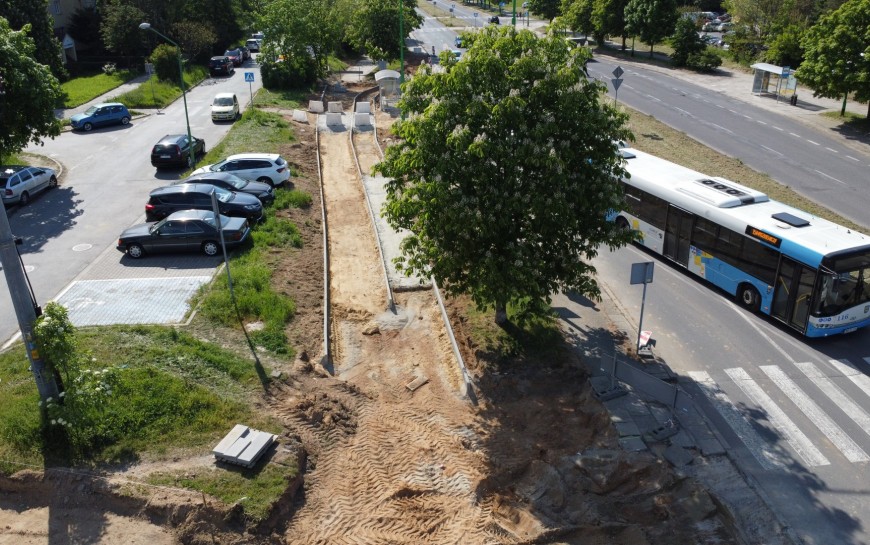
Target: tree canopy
(505,170)
(374,27)
(651,20)
(837,54)
(30,92)
(35,13)
(546,9)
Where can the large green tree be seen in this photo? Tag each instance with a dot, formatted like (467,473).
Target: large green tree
(35,13)
(374,27)
(120,30)
(504,172)
(651,20)
(546,9)
(577,15)
(29,93)
(837,54)
(608,17)
(300,31)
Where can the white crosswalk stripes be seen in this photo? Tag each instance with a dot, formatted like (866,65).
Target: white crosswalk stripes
(837,395)
(767,457)
(818,412)
(784,425)
(832,431)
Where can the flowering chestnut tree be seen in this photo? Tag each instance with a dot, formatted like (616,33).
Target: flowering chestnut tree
(505,170)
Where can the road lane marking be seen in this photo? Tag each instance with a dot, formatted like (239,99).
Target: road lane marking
(760,121)
(768,458)
(852,158)
(826,425)
(852,373)
(771,150)
(682,111)
(836,394)
(721,128)
(831,177)
(814,143)
(783,424)
(720,106)
(832,150)
(777,128)
(795,135)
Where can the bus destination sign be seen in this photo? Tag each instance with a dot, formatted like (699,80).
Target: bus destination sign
(762,236)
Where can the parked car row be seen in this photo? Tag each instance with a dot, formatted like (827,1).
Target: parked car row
(180,217)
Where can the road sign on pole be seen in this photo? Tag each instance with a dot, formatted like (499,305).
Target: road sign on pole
(642,273)
(617,81)
(249,77)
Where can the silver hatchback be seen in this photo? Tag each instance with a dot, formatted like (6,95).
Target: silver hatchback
(19,183)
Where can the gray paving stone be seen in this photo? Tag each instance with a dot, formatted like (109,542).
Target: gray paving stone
(678,456)
(627,429)
(711,447)
(632,444)
(683,439)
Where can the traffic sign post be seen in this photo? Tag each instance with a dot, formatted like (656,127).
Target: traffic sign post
(642,273)
(617,81)
(249,77)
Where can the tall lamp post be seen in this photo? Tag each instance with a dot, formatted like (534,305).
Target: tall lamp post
(190,157)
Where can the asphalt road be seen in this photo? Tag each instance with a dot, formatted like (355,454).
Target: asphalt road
(816,165)
(108,178)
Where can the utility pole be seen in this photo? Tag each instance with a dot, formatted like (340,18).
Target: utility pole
(25,308)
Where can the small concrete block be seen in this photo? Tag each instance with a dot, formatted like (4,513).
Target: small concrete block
(362,120)
(335,107)
(711,447)
(605,389)
(660,434)
(364,107)
(417,382)
(300,117)
(276,374)
(646,423)
(334,119)
(632,444)
(315,106)
(662,414)
(626,429)
(678,456)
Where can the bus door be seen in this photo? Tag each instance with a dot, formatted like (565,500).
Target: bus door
(792,294)
(678,233)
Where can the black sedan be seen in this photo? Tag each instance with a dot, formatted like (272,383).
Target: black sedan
(163,201)
(184,231)
(230,181)
(174,150)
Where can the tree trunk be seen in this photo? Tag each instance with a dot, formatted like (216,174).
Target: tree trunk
(623,43)
(650,51)
(501,313)
(843,109)
(868,110)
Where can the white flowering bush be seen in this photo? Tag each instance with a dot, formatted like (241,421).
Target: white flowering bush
(86,388)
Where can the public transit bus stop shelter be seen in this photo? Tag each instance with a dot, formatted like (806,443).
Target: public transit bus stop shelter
(778,81)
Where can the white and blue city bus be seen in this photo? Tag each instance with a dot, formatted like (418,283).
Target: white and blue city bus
(807,272)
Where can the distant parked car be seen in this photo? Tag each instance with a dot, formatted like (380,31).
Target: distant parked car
(258,36)
(494,20)
(225,107)
(723,27)
(183,231)
(221,65)
(253,45)
(246,53)
(19,183)
(101,115)
(174,150)
(269,168)
(709,26)
(231,182)
(235,55)
(457,41)
(172,198)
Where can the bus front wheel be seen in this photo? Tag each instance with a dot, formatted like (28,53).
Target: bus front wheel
(749,297)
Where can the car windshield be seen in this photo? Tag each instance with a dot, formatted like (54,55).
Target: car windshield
(223,101)
(223,195)
(218,167)
(231,53)
(157,225)
(91,110)
(210,220)
(236,182)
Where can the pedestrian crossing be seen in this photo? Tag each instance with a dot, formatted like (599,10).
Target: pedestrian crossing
(813,413)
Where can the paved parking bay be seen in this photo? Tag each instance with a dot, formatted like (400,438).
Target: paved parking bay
(116,289)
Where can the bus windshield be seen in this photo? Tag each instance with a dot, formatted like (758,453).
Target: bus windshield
(840,291)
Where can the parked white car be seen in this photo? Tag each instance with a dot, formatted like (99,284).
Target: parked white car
(19,183)
(225,107)
(270,168)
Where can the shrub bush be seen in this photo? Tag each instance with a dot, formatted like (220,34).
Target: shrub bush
(286,74)
(165,60)
(705,61)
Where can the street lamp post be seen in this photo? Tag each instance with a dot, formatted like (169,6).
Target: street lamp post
(401,43)
(190,156)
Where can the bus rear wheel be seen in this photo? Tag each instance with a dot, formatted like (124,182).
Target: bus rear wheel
(748,297)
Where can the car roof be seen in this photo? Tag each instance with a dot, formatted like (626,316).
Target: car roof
(210,176)
(269,156)
(171,138)
(183,188)
(225,95)
(109,104)
(190,214)
(219,57)
(11,169)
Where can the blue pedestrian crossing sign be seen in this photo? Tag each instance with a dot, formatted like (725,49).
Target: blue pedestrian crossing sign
(249,76)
